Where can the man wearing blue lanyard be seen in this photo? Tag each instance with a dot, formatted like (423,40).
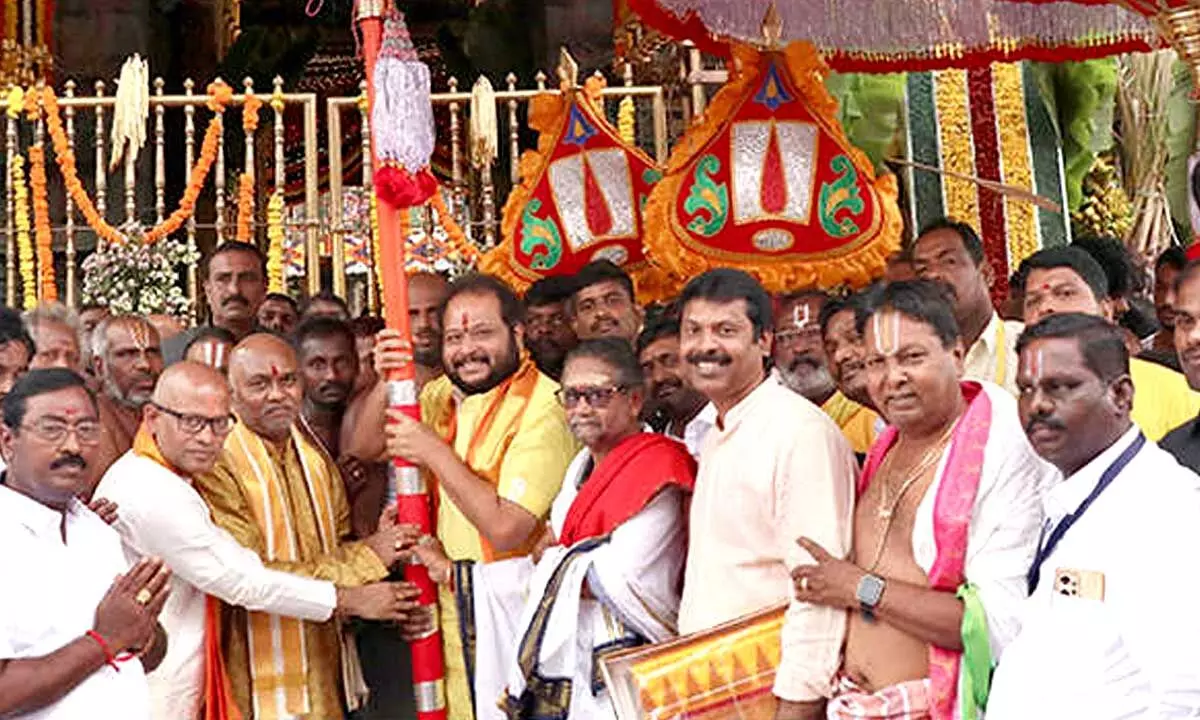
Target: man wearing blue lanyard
(1108,631)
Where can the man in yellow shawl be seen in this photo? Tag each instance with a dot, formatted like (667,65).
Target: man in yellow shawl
(280,495)
(493,436)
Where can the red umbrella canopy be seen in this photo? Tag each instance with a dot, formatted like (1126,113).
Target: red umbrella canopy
(890,35)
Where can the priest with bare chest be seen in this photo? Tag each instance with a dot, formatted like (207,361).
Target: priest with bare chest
(947,520)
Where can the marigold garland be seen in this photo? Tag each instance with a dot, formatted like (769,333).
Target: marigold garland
(220,95)
(43,235)
(245,207)
(626,122)
(275,233)
(24,244)
(250,107)
(460,247)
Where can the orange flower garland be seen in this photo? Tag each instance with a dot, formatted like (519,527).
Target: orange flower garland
(43,235)
(245,207)
(460,247)
(250,107)
(220,96)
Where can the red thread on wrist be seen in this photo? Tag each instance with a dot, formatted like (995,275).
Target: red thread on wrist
(109,658)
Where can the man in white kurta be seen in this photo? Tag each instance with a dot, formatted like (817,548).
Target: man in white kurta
(161,515)
(1109,630)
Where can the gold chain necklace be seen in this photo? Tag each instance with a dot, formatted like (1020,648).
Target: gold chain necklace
(887,508)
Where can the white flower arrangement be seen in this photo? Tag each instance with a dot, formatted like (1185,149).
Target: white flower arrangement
(134,277)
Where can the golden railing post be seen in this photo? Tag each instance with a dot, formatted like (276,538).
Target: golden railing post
(695,65)
(101,175)
(660,127)
(336,227)
(248,163)
(10,152)
(312,260)
(514,134)
(456,174)
(189,140)
(368,187)
(219,181)
(72,295)
(160,162)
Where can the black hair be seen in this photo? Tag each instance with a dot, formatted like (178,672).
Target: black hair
(327,296)
(210,332)
(367,326)
(1072,258)
(321,328)
(598,271)
(1173,257)
(550,290)
(284,298)
(39,382)
(1140,318)
(511,310)
(614,352)
(652,332)
(925,301)
(232,246)
(1120,268)
(970,239)
(12,329)
(1101,343)
(726,285)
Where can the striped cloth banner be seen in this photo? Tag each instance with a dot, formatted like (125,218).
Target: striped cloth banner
(989,122)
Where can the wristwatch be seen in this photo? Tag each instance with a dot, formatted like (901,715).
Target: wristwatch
(870,590)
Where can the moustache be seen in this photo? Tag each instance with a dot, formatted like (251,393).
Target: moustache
(712,356)
(69,460)
(1046,422)
(328,388)
(473,357)
(804,360)
(235,299)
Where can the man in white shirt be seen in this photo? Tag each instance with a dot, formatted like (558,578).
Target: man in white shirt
(952,252)
(945,527)
(688,414)
(773,468)
(67,628)
(1108,631)
(162,515)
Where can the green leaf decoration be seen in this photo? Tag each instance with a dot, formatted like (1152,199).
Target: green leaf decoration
(707,201)
(538,233)
(1181,142)
(871,110)
(1085,97)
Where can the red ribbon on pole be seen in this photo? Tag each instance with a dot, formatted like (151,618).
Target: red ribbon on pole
(413,502)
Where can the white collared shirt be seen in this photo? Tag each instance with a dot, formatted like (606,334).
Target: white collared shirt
(161,515)
(696,430)
(48,599)
(998,341)
(1136,652)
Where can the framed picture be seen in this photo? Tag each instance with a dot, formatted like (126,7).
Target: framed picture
(727,672)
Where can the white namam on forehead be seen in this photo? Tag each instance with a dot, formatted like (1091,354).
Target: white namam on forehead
(1035,362)
(885,329)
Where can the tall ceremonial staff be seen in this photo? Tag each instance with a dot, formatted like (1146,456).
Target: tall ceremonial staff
(403,136)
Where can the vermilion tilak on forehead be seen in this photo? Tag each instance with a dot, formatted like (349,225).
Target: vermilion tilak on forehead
(464,320)
(274,372)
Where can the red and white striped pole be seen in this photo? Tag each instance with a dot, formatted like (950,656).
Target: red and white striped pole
(412,496)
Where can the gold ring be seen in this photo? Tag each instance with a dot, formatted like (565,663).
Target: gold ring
(804,584)
(142,597)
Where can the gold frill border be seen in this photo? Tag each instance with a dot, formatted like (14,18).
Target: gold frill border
(547,116)
(855,266)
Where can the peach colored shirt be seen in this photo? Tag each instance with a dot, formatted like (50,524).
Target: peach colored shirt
(775,468)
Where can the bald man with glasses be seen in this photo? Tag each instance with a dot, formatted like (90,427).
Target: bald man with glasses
(160,515)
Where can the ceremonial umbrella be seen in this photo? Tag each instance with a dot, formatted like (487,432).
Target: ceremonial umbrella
(894,35)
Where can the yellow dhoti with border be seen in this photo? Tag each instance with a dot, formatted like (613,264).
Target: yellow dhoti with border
(515,436)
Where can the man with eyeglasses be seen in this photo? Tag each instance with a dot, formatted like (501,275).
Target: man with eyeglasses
(161,515)
(616,541)
(603,303)
(128,359)
(74,642)
(279,494)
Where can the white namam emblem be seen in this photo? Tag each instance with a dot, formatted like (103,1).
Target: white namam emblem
(797,148)
(568,181)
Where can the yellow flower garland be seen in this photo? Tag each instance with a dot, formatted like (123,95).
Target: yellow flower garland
(41,224)
(275,281)
(245,208)
(24,242)
(626,122)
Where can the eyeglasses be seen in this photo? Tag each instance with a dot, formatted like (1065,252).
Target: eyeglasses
(596,397)
(87,432)
(193,424)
